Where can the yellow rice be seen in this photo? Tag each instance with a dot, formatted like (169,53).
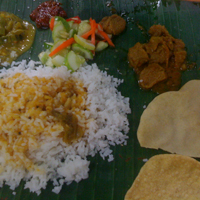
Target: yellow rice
(51,120)
(32,108)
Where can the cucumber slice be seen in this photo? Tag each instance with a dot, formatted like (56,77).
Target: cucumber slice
(63,52)
(49,62)
(101,46)
(75,26)
(59,32)
(72,32)
(48,45)
(77,48)
(64,22)
(58,60)
(85,20)
(43,56)
(70,24)
(84,43)
(84,27)
(73,61)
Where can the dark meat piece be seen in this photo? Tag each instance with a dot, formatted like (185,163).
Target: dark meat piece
(178,45)
(179,54)
(151,75)
(153,44)
(158,30)
(137,56)
(169,42)
(160,55)
(42,14)
(174,78)
(113,24)
(180,57)
(171,84)
(158,50)
(159,62)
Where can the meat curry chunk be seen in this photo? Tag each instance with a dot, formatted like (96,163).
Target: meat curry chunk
(158,30)
(158,63)
(151,75)
(113,24)
(137,57)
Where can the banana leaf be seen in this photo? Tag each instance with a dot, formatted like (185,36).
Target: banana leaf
(111,180)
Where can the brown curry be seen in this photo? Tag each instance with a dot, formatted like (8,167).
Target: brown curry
(113,24)
(159,62)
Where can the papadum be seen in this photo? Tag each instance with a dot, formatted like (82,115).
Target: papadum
(172,121)
(167,177)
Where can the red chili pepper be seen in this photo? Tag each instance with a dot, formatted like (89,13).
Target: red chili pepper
(92,31)
(75,19)
(93,28)
(51,25)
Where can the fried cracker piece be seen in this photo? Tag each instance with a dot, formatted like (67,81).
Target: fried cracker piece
(167,177)
(172,121)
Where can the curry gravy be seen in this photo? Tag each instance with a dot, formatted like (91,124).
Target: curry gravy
(158,63)
(16,36)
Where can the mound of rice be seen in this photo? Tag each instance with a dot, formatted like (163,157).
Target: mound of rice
(58,161)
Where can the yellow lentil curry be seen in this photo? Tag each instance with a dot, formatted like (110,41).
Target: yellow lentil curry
(16,36)
(36,108)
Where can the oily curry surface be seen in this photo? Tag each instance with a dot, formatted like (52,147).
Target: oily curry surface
(158,63)
(16,36)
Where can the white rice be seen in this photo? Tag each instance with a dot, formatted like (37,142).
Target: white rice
(62,163)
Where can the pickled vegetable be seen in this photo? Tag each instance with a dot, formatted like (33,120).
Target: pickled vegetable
(84,43)
(74,41)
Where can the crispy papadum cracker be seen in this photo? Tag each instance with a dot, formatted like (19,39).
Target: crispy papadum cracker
(172,121)
(167,177)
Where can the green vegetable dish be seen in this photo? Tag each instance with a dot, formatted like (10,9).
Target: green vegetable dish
(16,37)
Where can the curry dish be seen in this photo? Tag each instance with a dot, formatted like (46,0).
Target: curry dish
(158,63)
(16,36)
(113,24)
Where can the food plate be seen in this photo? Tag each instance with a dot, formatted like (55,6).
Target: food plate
(111,180)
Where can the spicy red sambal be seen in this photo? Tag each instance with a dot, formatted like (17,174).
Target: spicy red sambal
(42,14)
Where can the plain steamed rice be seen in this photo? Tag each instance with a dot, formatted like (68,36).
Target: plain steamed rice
(58,161)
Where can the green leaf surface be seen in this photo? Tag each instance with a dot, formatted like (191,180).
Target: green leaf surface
(111,180)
